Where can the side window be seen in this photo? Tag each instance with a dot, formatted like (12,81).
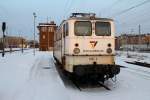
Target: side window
(67,29)
(43,36)
(64,27)
(50,29)
(57,34)
(43,29)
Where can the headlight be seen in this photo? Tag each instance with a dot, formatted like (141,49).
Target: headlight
(109,50)
(76,50)
(109,45)
(76,45)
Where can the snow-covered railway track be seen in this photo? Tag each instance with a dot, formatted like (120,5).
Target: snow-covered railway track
(139,63)
(138,71)
(89,84)
(77,83)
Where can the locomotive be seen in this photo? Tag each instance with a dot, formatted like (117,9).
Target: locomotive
(85,46)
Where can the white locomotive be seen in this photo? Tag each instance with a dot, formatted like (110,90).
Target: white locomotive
(84,46)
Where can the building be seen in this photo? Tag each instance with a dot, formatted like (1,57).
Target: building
(1,44)
(133,42)
(31,44)
(46,35)
(14,42)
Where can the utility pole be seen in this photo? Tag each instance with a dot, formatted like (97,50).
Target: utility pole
(47,19)
(131,45)
(34,15)
(3,29)
(139,37)
(22,44)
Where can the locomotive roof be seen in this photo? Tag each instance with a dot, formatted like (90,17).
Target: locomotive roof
(89,18)
(86,16)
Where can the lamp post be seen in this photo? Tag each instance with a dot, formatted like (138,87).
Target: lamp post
(140,44)
(34,15)
(3,29)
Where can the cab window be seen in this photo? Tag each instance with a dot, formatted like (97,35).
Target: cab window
(103,29)
(83,28)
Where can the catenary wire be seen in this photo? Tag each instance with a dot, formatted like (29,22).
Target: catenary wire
(130,8)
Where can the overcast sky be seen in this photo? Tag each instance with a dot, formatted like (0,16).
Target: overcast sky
(19,13)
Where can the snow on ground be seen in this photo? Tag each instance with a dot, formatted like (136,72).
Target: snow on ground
(28,77)
(13,49)
(129,86)
(134,56)
(132,84)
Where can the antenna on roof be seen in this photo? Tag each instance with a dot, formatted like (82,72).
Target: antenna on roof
(83,15)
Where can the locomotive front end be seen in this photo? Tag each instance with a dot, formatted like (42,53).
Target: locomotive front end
(91,49)
(85,46)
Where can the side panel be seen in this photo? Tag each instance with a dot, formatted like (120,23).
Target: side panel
(57,50)
(58,45)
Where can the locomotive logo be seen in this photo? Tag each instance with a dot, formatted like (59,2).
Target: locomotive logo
(93,43)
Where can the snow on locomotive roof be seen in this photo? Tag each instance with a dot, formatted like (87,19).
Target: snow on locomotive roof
(87,16)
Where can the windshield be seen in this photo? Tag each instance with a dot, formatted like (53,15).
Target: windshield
(83,28)
(103,29)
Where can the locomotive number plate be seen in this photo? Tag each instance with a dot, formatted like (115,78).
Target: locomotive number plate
(93,58)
